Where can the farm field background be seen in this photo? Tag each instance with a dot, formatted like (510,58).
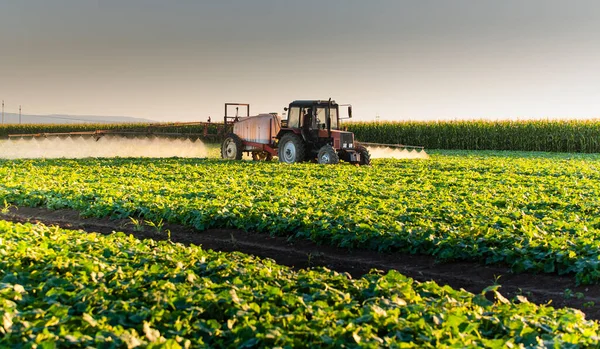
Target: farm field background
(535,212)
(517,135)
(71,288)
(522,135)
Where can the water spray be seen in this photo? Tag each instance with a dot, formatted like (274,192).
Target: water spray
(105,146)
(396,153)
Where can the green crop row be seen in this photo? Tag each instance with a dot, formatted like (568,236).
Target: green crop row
(61,288)
(14,129)
(8,129)
(530,135)
(533,213)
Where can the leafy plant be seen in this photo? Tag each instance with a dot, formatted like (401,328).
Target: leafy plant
(535,212)
(138,225)
(6,207)
(568,294)
(158,226)
(62,288)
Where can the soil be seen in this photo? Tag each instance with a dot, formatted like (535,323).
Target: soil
(473,277)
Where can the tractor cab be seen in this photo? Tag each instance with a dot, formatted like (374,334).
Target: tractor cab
(313,115)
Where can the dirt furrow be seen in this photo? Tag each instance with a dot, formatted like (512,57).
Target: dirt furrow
(474,277)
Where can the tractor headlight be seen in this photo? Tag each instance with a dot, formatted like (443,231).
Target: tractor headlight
(351,146)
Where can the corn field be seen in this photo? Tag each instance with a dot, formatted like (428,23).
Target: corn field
(532,135)
(8,129)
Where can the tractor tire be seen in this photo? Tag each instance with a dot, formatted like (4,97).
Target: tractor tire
(231,149)
(327,155)
(291,149)
(365,157)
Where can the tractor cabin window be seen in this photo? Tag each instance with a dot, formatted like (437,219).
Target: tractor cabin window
(294,117)
(321,117)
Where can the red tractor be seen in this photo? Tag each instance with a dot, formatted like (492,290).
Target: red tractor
(311,133)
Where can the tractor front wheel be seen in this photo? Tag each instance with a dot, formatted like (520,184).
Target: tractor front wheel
(291,149)
(327,155)
(231,149)
(365,157)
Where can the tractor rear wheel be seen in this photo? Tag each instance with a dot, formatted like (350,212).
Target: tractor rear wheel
(365,157)
(231,149)
(327,155)
(291,149)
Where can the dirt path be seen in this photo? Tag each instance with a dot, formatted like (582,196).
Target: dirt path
(474,277)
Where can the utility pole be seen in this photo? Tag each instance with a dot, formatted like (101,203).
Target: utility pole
(19,115)
(3,112)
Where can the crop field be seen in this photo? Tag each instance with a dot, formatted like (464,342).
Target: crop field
(536,213)
(524,135)
(70,288)
(533,212)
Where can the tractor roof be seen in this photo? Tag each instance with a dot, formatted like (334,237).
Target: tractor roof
(308,103)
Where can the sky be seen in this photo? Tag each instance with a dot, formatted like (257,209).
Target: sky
(181,60)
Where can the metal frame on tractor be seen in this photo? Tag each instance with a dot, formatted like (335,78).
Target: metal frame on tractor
(230,120)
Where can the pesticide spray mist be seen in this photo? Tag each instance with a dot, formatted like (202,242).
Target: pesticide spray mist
(394,153)
(106,146)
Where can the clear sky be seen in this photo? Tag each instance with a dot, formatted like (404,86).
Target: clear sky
(182,59)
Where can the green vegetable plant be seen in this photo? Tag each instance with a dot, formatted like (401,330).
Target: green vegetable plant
(63,288)
(158,226)
(138,225)
(533,212)
(6,207)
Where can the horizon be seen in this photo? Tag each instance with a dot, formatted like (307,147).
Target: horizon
(400,60)
(62,118)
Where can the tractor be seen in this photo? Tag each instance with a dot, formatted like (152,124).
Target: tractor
(311,132)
